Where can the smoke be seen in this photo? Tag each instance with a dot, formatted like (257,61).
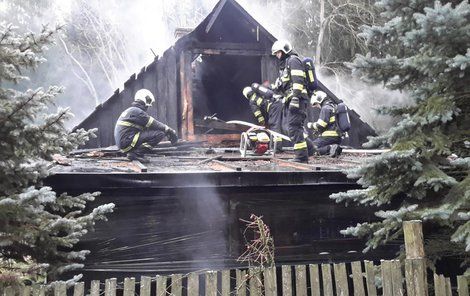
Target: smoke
(365,99)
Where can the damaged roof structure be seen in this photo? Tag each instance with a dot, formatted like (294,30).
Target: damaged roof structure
(182,211)
(204,74)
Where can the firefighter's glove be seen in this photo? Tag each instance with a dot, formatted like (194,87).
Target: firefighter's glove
(310,125)
(294,104)
(171,134)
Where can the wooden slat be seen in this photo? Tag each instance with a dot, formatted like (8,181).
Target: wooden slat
(397,278)
(386,268)
(327,280)
(60,289)
(176,284)
(9,291)
(413,231)
(95,288)
(241,282)
(448,287)
(462,285)
(39,290)
(314,279)
(79,289)
(439,285)
(110,287)
(211,283)
(255,281)
(370,278)
(270,282)
(25,291)
(193,284)
(145,285)
(161,285)
(225,282)
(341,279)
(301,280)
(129,287)
(415,274)
(358,279)
(286,280)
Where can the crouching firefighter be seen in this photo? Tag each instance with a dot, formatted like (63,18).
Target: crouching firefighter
(136,132)
(329,136)
(267,109)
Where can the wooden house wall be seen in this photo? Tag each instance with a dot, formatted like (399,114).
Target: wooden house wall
(160,78)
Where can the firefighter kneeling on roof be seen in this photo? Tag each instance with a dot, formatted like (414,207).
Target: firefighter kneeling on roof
(327,126)
(136,132)
(267,108)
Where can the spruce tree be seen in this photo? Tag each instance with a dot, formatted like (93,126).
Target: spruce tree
(38,228)
(423,49)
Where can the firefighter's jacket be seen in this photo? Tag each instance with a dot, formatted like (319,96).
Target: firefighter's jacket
(326,123)
(132,122)
(292,78)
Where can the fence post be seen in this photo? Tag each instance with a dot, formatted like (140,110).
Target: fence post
(415,262)
(129,287)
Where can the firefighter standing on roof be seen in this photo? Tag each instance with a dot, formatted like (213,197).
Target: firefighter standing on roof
(292,84)
(326,126)
(136,132)
(267,108)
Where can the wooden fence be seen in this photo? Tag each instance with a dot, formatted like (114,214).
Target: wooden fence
(388,278)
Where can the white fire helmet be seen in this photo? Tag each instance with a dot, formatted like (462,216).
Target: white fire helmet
(145,96)
(318,97)
(281,45)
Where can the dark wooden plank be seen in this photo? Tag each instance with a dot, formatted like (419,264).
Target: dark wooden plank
(215,15)
(229,46)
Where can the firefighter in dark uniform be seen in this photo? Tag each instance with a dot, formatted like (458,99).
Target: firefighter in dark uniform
(267,108)
(292,84)
(136,132)
(329,137)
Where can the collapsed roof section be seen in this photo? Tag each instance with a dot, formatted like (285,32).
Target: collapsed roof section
(203,74)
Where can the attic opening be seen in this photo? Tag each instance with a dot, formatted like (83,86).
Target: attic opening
(217,84)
